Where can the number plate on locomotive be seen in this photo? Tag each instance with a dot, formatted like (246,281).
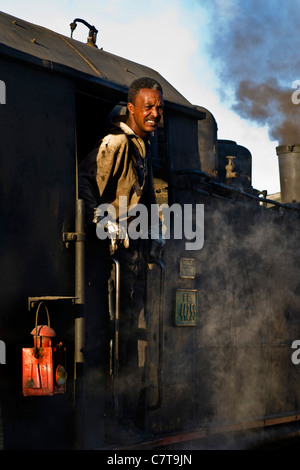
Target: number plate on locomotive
(186,307)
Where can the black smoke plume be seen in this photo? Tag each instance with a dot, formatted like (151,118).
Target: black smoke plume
(255,49)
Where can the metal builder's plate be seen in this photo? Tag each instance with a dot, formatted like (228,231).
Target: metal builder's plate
(186,307)
(187,268)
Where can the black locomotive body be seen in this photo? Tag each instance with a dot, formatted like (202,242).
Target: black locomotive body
(222,316)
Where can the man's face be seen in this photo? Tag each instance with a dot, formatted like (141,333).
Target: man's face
(146,112)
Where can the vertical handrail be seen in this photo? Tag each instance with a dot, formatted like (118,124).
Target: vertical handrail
(79,283)
(79,328)
(160,336)
(116,339)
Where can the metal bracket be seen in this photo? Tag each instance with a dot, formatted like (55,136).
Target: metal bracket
(73,237)
(33,300)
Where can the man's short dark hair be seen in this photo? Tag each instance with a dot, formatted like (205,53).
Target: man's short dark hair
(139,83)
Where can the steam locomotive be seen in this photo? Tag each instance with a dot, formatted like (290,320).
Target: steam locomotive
(220,349)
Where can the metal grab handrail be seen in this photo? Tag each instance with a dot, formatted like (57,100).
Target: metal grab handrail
(116,338)
(160,336)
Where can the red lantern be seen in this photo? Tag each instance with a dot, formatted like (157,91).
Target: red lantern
(44,366)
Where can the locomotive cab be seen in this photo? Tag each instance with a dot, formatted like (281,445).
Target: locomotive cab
(94,114)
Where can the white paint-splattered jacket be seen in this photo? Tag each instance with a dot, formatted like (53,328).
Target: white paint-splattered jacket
(120,166)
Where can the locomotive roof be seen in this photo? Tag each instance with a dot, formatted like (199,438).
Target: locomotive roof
(45,48)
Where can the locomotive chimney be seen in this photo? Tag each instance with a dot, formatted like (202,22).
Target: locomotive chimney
(289,171)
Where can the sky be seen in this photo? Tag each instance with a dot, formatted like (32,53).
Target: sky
(237,58)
